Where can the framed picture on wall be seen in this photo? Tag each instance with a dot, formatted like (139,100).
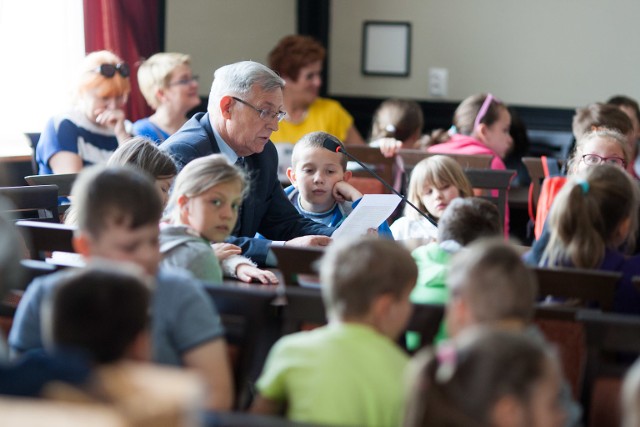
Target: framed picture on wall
(386,48)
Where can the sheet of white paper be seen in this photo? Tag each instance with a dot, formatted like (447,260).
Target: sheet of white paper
(372,211)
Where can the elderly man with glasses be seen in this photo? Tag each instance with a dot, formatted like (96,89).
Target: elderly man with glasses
(245,107)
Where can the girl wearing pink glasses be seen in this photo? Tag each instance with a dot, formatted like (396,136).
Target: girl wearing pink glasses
(91,131)
(480,126)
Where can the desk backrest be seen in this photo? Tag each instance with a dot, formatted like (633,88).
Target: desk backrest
(588,286)
(38,203)
(43,238)
(295,261)
(496,182)
(373,158)
(612,346)
(536,173)
(64,181)
(305,307)
(251,321)
(411,157)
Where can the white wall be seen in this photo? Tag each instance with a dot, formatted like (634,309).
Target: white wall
(562,53)
(219,32)
(544,52)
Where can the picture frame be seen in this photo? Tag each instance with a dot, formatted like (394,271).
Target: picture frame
(386,48)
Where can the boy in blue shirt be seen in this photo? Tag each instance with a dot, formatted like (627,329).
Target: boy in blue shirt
(118,214)
(320,189)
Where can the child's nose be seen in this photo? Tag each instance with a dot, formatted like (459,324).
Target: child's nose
(226,212)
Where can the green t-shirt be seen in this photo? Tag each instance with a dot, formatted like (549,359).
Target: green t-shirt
(431,287)
(341,374)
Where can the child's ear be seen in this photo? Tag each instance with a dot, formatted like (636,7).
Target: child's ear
(291,174)
(507,411)
(81,243)
(382,307)
(140,348)
(347,176)
(225,106)
(182,201)
(481,132)
(457,315)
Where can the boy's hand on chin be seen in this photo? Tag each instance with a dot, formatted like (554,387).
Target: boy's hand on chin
(343,191)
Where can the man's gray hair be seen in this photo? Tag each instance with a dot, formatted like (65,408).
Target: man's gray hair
(238,79)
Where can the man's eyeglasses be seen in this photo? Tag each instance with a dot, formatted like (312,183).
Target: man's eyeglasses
(109,70)
(594,159)
(265,115)
(185,82)
(485,108)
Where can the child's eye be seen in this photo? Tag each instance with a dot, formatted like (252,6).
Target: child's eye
(235,206)
(216,202)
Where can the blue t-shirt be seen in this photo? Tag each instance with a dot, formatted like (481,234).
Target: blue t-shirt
(35,369)
(334,216)
(75,133)
(144,127)
(183,316)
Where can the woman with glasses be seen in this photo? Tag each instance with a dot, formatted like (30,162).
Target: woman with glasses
(299,61)
(95,126)
(170,88)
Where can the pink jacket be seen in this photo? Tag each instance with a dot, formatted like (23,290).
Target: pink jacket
(463,144)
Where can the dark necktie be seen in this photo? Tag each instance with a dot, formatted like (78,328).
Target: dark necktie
(236,229)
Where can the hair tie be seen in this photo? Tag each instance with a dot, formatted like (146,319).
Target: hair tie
(390,128)
(452,130)
(584,185)
(447,360)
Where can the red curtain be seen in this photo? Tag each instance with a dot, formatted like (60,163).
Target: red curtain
(130,30)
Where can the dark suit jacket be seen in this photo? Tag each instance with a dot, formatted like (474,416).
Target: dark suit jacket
(266,209)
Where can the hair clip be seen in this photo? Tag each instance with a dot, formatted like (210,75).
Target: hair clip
(447,359)
(452,130)
(584,185)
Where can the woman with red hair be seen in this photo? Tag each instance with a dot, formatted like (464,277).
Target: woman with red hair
(95,126)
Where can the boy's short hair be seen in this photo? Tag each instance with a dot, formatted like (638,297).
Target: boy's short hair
(494,281)
(155,73)
(100,309)
(315,140)
(355,272)
(468,219)
(599,115)
(120,195)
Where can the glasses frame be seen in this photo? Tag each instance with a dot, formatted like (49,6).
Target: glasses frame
(109,70)
(265,115)
(184,82)
(604,160)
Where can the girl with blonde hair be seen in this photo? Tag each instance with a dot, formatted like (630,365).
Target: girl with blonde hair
(203,210)
(435,181)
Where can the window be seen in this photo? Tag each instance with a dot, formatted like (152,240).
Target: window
(41,46)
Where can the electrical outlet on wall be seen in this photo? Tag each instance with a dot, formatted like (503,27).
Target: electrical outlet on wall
(438,82)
